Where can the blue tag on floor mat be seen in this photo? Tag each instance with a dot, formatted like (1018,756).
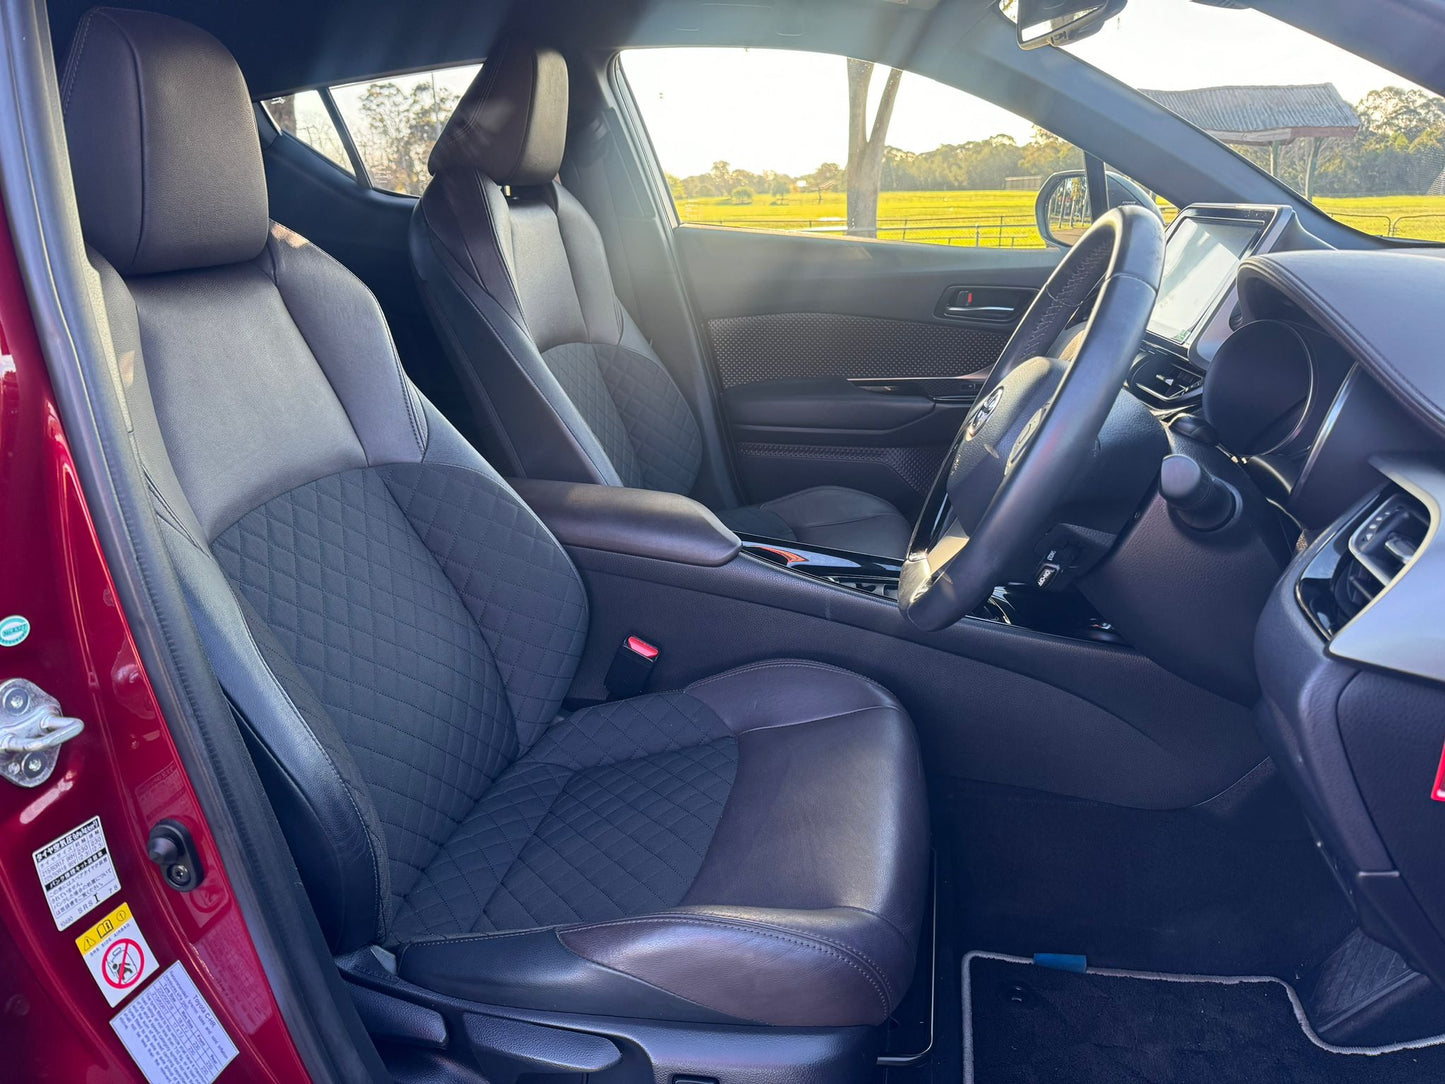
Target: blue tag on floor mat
(1062,961)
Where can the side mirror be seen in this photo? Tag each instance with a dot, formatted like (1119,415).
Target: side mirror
(1062,209)
(1058,22)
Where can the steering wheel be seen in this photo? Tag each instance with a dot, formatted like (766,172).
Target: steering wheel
(1035,421)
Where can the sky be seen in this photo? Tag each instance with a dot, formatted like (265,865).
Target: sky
(770,109)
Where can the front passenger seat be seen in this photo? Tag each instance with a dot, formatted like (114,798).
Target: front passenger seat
(396,631)
(514,274)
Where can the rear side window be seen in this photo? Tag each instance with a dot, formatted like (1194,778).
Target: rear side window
(304,116)
(393,122)
(786,140)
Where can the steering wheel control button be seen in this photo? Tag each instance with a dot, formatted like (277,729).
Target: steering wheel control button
(982,413)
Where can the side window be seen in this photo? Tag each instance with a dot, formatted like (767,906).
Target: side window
(393,122)
(780,140)
(304,116)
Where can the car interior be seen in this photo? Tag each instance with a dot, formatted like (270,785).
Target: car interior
(700,655)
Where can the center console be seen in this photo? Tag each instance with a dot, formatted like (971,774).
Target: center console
(662,568)
(1058,614)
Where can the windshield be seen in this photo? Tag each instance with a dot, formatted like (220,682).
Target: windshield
(1364,145)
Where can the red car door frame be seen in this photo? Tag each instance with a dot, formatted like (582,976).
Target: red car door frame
(55,1022)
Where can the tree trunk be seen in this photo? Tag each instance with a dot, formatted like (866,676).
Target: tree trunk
(866,144)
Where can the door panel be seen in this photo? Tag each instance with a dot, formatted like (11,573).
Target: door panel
(850,362)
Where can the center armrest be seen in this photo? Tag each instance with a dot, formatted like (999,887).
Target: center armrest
(639,522)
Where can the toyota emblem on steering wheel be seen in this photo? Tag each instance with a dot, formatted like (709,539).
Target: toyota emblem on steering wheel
(982,413)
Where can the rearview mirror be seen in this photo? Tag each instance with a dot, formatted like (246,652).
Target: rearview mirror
(1058,22)
(1062,209)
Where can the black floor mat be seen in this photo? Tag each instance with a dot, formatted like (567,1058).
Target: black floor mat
(1031,1025)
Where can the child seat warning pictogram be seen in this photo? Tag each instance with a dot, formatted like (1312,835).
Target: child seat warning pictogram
(124,963)
(117,954)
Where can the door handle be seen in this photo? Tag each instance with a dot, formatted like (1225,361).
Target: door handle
(993,305)
(980,312)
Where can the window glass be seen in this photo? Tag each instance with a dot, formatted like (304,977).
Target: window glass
(395,122)
(783,140)
(304,116)
(1367,146)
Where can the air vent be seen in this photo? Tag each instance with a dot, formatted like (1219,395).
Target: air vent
(1384,544)
(1362,560)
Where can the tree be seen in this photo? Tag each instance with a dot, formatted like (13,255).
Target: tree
(742,194)
(866,143)
(1397,110)
(401,128)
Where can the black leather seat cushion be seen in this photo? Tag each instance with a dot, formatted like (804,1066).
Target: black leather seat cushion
(827,516)
(742,845)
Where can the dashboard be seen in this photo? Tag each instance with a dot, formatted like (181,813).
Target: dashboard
(1197,306)
(1317,373)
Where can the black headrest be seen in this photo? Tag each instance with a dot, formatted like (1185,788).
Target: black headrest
(163,144)
(511,124)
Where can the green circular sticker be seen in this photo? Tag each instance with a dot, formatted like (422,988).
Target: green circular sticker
(13,631)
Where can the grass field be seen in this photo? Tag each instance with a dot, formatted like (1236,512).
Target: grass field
(1005,219)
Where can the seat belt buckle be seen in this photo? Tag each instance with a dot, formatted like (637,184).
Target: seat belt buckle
(631,668)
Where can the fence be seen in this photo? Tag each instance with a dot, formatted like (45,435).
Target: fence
(991,231)
(1020,231)
(1413,227)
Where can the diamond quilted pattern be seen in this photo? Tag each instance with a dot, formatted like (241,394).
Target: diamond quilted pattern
(514,578)
(576,369)
(621,839)
(664,433)
(609,815)
(452,893)
(337,572)
(635,410)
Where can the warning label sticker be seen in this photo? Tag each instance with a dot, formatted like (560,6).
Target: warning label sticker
(76,872)
(172,1033)
(117,954)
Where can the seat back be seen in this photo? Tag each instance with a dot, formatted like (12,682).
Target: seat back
(392,625)
(559,380)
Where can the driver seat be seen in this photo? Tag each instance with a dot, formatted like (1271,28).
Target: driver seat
(557,375)
(397,631)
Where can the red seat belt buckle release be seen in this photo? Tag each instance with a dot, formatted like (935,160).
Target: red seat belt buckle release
(1439,792)
(631,667)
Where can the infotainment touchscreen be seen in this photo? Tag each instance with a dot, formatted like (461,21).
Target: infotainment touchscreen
(1199,261)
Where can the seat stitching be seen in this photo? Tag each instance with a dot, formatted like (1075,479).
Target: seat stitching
(800,940)
(73,69)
